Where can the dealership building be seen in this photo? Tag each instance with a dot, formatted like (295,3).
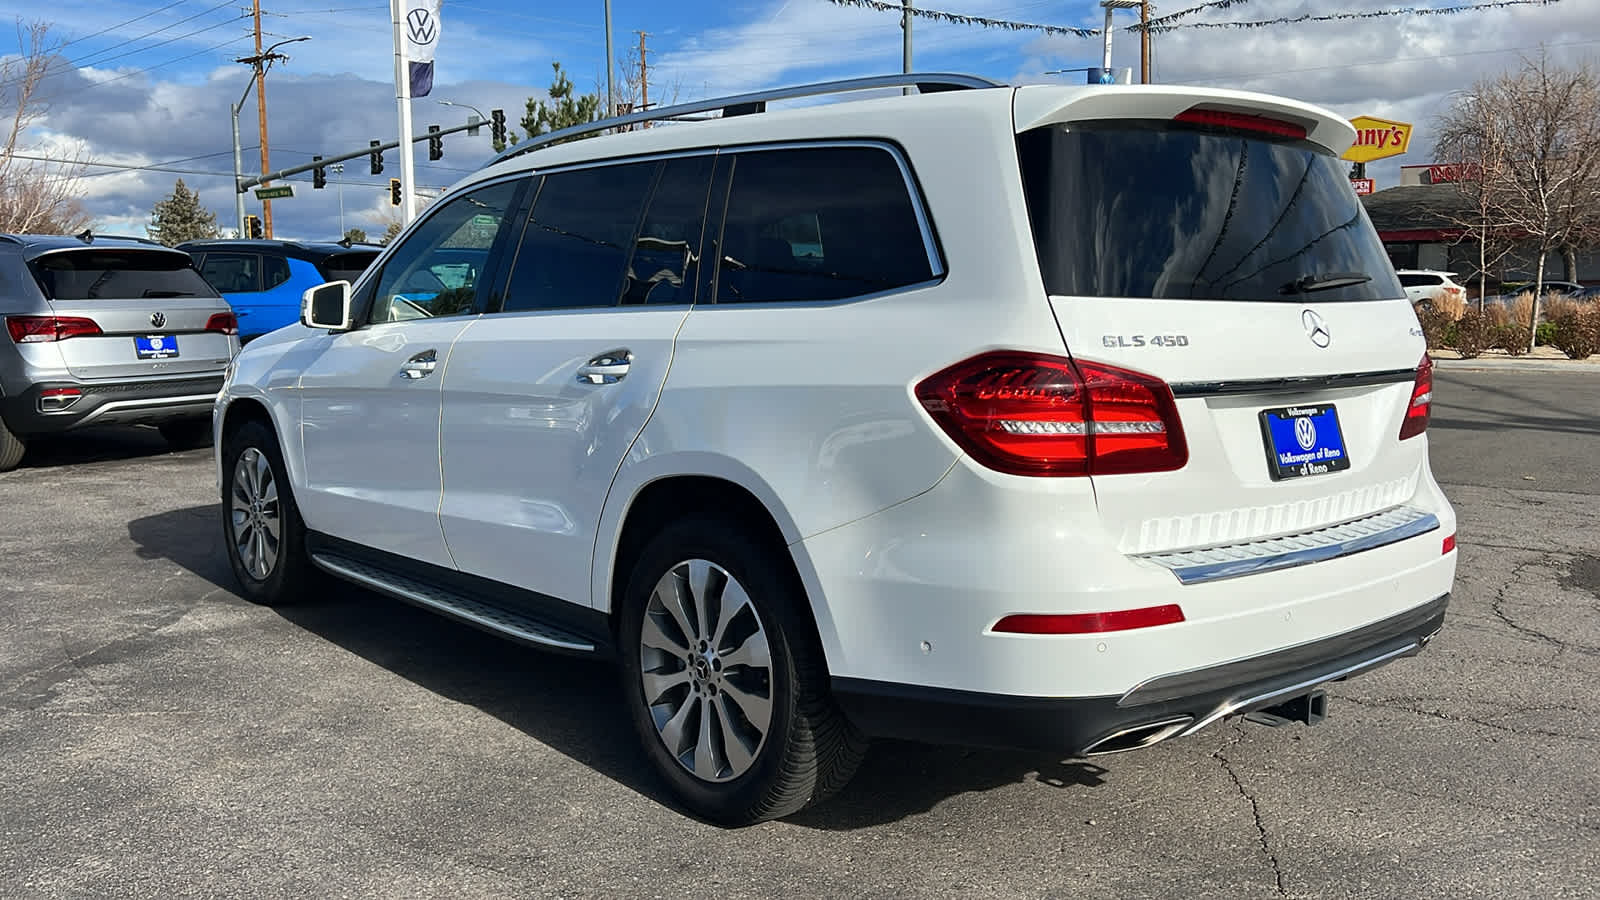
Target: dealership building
(1420,221)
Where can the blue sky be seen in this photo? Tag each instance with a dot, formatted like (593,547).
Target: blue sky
(157,90)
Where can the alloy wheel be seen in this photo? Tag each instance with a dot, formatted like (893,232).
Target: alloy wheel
(706,671)
(255,516)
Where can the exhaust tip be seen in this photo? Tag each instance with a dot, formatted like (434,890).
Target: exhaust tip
(1138,736)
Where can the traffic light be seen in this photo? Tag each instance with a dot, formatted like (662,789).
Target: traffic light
(435,143)
(497,125)
(394,192)
(252,226)
(376,156)
(319,175)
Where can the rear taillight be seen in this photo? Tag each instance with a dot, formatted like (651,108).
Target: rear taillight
(1033,414)
(226,323)
(1235,121)
(1090,623)
(1416,421)
(40,329)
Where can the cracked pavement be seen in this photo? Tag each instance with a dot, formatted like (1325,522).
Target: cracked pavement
(159,737)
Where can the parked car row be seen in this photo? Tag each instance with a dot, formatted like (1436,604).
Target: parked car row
(112,330)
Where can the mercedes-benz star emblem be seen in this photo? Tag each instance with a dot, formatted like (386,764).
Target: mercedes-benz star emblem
(158,319)
(420,28)
(1316,329)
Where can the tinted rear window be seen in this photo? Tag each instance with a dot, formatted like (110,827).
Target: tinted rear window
(1409,280)
(347,266)
(118,274)
(1136,209)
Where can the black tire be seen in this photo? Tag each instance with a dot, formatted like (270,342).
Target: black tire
(11,449)
(810,749)
(186,434)
(292,574)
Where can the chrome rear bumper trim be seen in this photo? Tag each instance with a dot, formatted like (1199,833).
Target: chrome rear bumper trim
(1332,542)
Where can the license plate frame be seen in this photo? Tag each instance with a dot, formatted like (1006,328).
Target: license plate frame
(156,346)
(1296,450)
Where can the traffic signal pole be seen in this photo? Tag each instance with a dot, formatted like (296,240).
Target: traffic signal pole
(248,183)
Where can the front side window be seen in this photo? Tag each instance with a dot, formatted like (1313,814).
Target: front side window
(1162,210)
(1408,279)
(119,275)
(576,246)
(438,270)
(232,273)
(823,223)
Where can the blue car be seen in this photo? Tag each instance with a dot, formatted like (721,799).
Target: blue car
(263,280)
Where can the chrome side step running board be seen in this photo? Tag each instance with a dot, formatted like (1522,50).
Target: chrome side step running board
(473,612)
(1332,542)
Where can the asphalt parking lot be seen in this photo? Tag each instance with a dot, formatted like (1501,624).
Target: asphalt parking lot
(159,737)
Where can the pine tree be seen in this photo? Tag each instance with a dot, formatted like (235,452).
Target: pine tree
(180,218)
(390,233)
(356,236)
(565,109)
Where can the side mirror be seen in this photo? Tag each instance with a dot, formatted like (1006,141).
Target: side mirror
(327,306)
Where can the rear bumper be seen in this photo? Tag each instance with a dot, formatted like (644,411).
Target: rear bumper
(145,402)
(1171,705)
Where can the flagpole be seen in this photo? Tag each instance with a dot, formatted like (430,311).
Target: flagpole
(402,94)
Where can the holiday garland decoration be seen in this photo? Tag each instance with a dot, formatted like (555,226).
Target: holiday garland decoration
(959,19)
(1168,23)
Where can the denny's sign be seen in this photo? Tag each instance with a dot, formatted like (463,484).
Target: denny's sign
(1377,139)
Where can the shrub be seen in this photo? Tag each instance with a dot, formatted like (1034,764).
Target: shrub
(1474,334)
(1521,309)
(1452,304)
(1577,331)
(1497,314)
(1513,339)
(1558,305)
(1546,335)
(1436,325)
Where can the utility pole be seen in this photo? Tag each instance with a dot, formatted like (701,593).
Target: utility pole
(261,115)
(1144,42)
(611,66)
(905,42)
(259,64)
(644,76)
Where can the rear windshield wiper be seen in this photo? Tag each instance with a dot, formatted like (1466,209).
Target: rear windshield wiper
(1306,284)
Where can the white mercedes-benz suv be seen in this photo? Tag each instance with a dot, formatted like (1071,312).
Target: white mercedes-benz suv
(1074,418)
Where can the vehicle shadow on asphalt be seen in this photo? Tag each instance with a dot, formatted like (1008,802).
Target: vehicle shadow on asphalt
(91,445)
(573,705)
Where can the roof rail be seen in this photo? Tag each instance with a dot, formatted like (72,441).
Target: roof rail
(741,104)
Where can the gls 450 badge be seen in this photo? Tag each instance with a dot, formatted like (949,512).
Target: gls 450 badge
(1144,340)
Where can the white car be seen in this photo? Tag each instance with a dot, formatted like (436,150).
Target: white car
(1429,287)
(1020,417)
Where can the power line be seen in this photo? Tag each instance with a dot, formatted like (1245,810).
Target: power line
(100,62)
(147,15)
(153,32)
(1382,62)
(176,59)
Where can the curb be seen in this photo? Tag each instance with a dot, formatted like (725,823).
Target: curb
(1539,366)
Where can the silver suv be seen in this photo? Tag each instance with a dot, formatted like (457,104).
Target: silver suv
(102,330)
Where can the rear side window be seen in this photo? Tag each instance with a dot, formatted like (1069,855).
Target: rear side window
(665,253)
(1155,209)
(347,266)
(232,273)
(274,271)
(118,275)
(576,245)
(1409,280)
(824,223)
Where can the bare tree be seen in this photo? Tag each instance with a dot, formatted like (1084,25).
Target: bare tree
(40,190)
(1469,134)
(1539,132)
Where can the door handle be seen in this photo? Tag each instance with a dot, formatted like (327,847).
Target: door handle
(420,366)
(609,367)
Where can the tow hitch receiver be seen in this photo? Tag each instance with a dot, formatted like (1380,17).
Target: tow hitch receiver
(1308,708)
